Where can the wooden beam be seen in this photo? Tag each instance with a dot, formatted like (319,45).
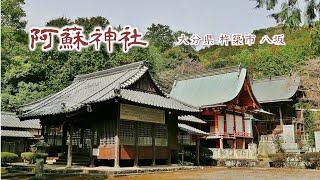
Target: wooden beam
(136,141)
(69,156)
(153,145)
(116,137)
(198,150)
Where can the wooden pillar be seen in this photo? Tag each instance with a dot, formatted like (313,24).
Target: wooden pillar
(235,144)
(280,116)
(168,136)
(234,123)
(243,143)
(91,149)
(136,141)
(81,138)
(153,145)
(221,143)
(116,137)
(69,157)
(64,137)
(225,122)
(216,122)
(243,125)
(197,150)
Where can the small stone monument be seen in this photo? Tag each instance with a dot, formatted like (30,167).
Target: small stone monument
(317,140)
(289,139)
(40,153)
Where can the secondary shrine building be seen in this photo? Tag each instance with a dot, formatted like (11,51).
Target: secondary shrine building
(115,114)
(224,96)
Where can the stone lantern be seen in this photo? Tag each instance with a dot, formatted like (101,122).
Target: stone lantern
(40,154)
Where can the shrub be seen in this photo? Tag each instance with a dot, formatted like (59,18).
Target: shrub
(278,160)
(311,159)
(28,157)
(8,157)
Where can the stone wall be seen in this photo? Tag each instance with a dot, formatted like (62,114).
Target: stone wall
(250,153)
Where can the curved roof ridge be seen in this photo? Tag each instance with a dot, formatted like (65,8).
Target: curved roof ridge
(109,71)
(210,72)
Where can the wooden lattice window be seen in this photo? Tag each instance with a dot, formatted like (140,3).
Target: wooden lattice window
(161,135)
(144,134)
(127,132)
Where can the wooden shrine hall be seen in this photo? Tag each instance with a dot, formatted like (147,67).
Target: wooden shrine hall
(224,96)
(115,114)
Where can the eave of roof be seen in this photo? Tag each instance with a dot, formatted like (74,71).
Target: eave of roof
(191,130)
(11,133)
(190,118)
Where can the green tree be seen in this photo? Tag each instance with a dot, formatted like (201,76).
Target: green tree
(161,36)
(290,13)
(11,14)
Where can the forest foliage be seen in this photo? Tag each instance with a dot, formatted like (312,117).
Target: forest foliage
(29,75)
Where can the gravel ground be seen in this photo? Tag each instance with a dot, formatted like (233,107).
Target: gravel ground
(232,173)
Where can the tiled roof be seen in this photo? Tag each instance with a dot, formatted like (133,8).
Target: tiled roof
(191,130)
(97,87)
(210,88)
(276,89)
(155,100)
(10,120)
(190,118)
(11,133)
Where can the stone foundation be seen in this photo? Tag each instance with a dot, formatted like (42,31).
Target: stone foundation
(250,153)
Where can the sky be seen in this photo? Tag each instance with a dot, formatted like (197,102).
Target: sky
(199,17)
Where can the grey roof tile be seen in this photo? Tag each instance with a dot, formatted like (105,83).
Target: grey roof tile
(155,100)
(11,133)
(276,89)
(95,87)
(10,120)
(190,118)
(210,88)
(191,130)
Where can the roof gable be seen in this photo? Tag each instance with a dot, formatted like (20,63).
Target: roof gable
(275,89)
(210,88)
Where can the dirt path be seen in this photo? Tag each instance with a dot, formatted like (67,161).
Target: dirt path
(231,173)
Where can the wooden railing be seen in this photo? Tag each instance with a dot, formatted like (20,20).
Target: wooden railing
(230,135)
